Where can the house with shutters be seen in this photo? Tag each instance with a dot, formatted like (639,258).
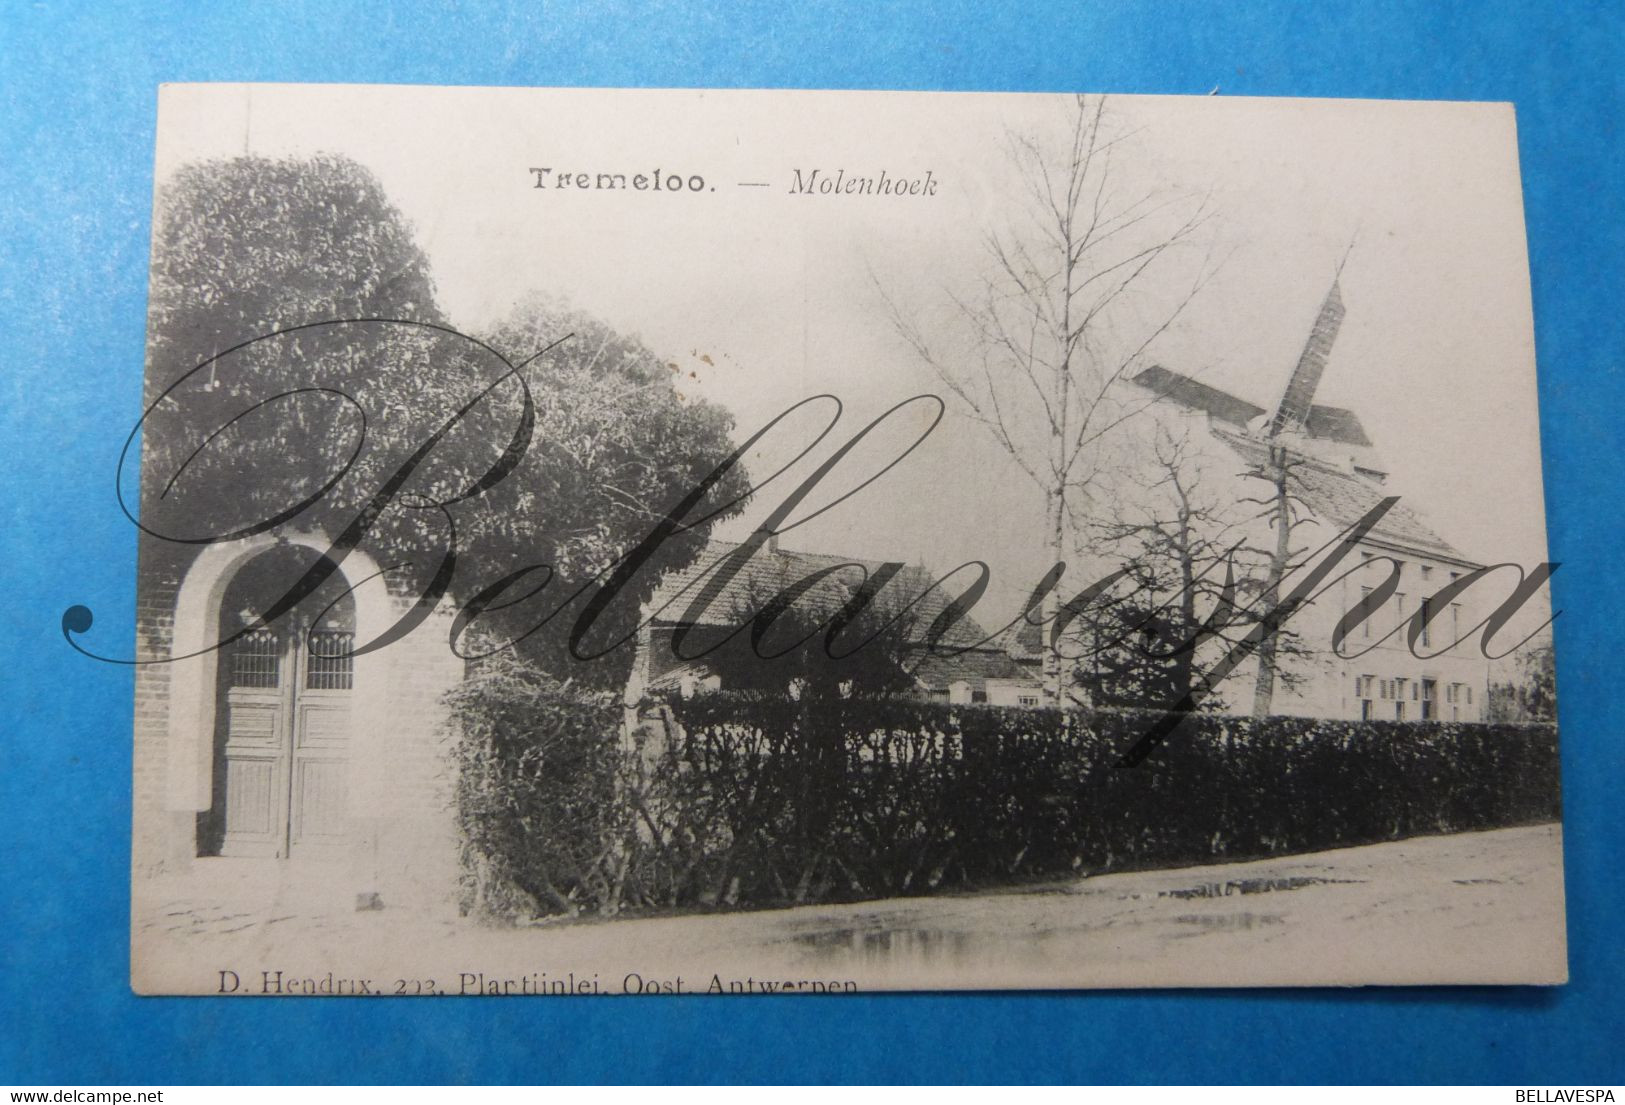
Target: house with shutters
(1333,476)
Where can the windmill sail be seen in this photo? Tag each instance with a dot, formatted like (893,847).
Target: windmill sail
(1300,390)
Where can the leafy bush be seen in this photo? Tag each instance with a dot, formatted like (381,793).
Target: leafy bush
(537,785)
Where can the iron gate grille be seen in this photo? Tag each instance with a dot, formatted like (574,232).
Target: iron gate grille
(330,667)
(254,659)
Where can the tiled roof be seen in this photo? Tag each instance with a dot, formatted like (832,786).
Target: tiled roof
(1023,640)
(770,571)
(1344,498)
(975,667)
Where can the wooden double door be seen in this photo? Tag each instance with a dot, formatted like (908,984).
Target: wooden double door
(282,740)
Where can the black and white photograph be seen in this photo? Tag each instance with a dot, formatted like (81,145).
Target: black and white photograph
(610,542)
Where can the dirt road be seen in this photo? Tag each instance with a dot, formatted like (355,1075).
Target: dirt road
(1475,907)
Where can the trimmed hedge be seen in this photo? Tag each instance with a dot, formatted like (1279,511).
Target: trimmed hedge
(870,798)
(764,801)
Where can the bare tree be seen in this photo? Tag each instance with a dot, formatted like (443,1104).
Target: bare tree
(1282,510)
(1080,282)
(1182,548)
(1174,520)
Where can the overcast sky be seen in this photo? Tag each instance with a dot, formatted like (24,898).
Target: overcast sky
(1436,354)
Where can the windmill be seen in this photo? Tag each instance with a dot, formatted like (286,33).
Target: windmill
(1290,421)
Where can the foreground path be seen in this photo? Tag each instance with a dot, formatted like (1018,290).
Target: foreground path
(1474,907)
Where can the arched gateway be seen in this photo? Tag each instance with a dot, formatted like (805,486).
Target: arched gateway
(279,762)
(270,741)
(280,782)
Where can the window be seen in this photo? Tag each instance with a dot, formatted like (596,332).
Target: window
(1365,607)
(978,696)
(1455,623)
(1399,710)
(1427,614)
(1427,571)
(1363,686)
(1026,700)
(1429,689)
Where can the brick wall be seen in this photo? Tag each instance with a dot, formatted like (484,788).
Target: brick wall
(155,626)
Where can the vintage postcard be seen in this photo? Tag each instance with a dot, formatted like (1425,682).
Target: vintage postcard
(716,542)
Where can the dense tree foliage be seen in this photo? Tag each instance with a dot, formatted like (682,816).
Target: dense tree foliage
(1531,693)
(300,372)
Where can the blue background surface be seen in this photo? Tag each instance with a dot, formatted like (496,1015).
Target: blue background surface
(77,104)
